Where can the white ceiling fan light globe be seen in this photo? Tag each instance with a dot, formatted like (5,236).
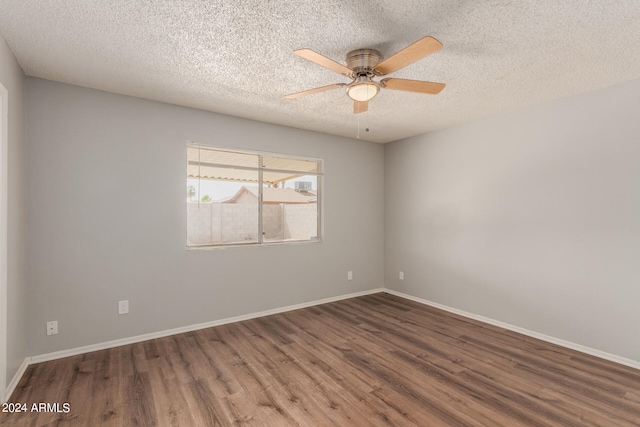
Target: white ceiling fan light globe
(363,91)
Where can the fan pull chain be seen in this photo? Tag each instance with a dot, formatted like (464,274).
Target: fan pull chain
(366,121)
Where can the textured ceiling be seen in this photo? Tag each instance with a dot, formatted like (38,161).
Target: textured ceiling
(235,57)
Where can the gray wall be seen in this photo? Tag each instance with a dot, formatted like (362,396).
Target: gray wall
(107,219)
(12,79)
(530,218)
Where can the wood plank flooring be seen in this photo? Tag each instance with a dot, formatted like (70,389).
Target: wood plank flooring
(376,360)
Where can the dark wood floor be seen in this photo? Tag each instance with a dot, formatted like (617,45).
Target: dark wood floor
(376,360)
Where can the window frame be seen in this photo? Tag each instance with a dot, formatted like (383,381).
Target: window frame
(260,169)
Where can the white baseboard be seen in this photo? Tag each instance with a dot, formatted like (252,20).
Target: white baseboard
(16,379)
(139,338)
(563,343)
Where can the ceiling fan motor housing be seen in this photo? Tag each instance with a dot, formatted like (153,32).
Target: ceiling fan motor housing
(362,61)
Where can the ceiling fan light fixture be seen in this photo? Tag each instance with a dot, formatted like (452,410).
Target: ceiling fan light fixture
(363,89)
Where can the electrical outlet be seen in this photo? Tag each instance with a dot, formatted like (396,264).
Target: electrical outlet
(52,327)
(349,275)
(402,275)
(123,307)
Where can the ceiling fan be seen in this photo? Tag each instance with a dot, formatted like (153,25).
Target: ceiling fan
(365,64)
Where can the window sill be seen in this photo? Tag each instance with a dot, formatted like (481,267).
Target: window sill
(252,245)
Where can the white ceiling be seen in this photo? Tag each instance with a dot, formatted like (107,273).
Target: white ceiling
(235,57)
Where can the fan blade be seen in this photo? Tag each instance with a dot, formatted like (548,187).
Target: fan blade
(312,56)
(410,54)
(312,91)
(360,106)
(412,85)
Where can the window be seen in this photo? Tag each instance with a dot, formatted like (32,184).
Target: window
(244,198)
